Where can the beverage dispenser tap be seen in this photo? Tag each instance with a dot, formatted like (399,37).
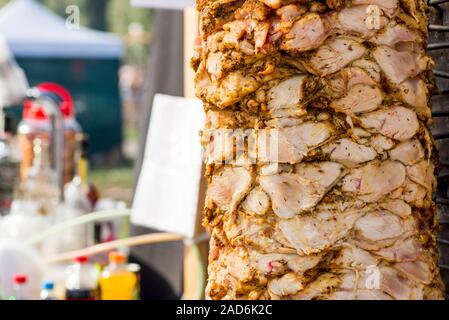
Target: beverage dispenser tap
(51,102)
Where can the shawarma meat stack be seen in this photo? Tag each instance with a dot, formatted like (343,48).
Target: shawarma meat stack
(320,162)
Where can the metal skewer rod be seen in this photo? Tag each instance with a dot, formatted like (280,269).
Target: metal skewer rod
(441,92)
(443,175)
(443,241)
(438,45)
(442,201)
(436,2)
(441,136)
(440,114)
(438,28)
(441,74)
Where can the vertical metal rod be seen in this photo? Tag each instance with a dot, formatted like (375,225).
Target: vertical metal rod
(2,121)
(441,74)
(436,2)
(438,46)
(440,114)
(438,28)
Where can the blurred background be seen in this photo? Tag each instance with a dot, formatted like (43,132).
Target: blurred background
(108,60)
(107,85)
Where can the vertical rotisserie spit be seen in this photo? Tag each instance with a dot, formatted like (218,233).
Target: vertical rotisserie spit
(320,162)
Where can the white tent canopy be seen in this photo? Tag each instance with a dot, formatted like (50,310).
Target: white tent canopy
(32,30)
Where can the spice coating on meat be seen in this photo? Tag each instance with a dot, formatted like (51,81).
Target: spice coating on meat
(320,166)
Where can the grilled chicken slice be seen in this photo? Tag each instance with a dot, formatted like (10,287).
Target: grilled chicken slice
(252,9)
(397,122)
(408,152)
(321,286)
(389,7)
(357,75)
(335,54)
(228,91)
(313,233)
(360,295)
(221,149)
(273,264)
(351,256)
(397,206)
(418,271)
(275,168)
(287,94)
(323,174)
(402,251)
(257,202)
(228,187)
(391,283)
(353,20)
(415,93)
(378,229)
(398,286)
(256,233)
(291,144)
(381,143)
(415,194)
(292,194)
(288,284)
(349,152)
(370,67)
(275,4)
(360,98)
(423,174)
(395,34)
(375,180)
(399,66)
(307,33)
(289,13)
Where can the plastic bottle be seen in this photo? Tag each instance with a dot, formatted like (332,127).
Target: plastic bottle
(135,269)
(48,291)
(19,281)
(117,282)
(82,281)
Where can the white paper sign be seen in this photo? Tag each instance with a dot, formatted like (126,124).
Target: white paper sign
(168,188)
(164,4)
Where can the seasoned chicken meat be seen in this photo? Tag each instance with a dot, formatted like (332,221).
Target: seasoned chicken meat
(320,165)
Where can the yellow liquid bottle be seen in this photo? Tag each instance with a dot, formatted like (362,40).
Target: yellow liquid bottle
(117,283)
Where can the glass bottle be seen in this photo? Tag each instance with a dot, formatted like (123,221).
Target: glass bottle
(80,199)
(117,282)
(40,186)
(82,281)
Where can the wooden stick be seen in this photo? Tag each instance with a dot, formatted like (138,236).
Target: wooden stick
(104,247)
